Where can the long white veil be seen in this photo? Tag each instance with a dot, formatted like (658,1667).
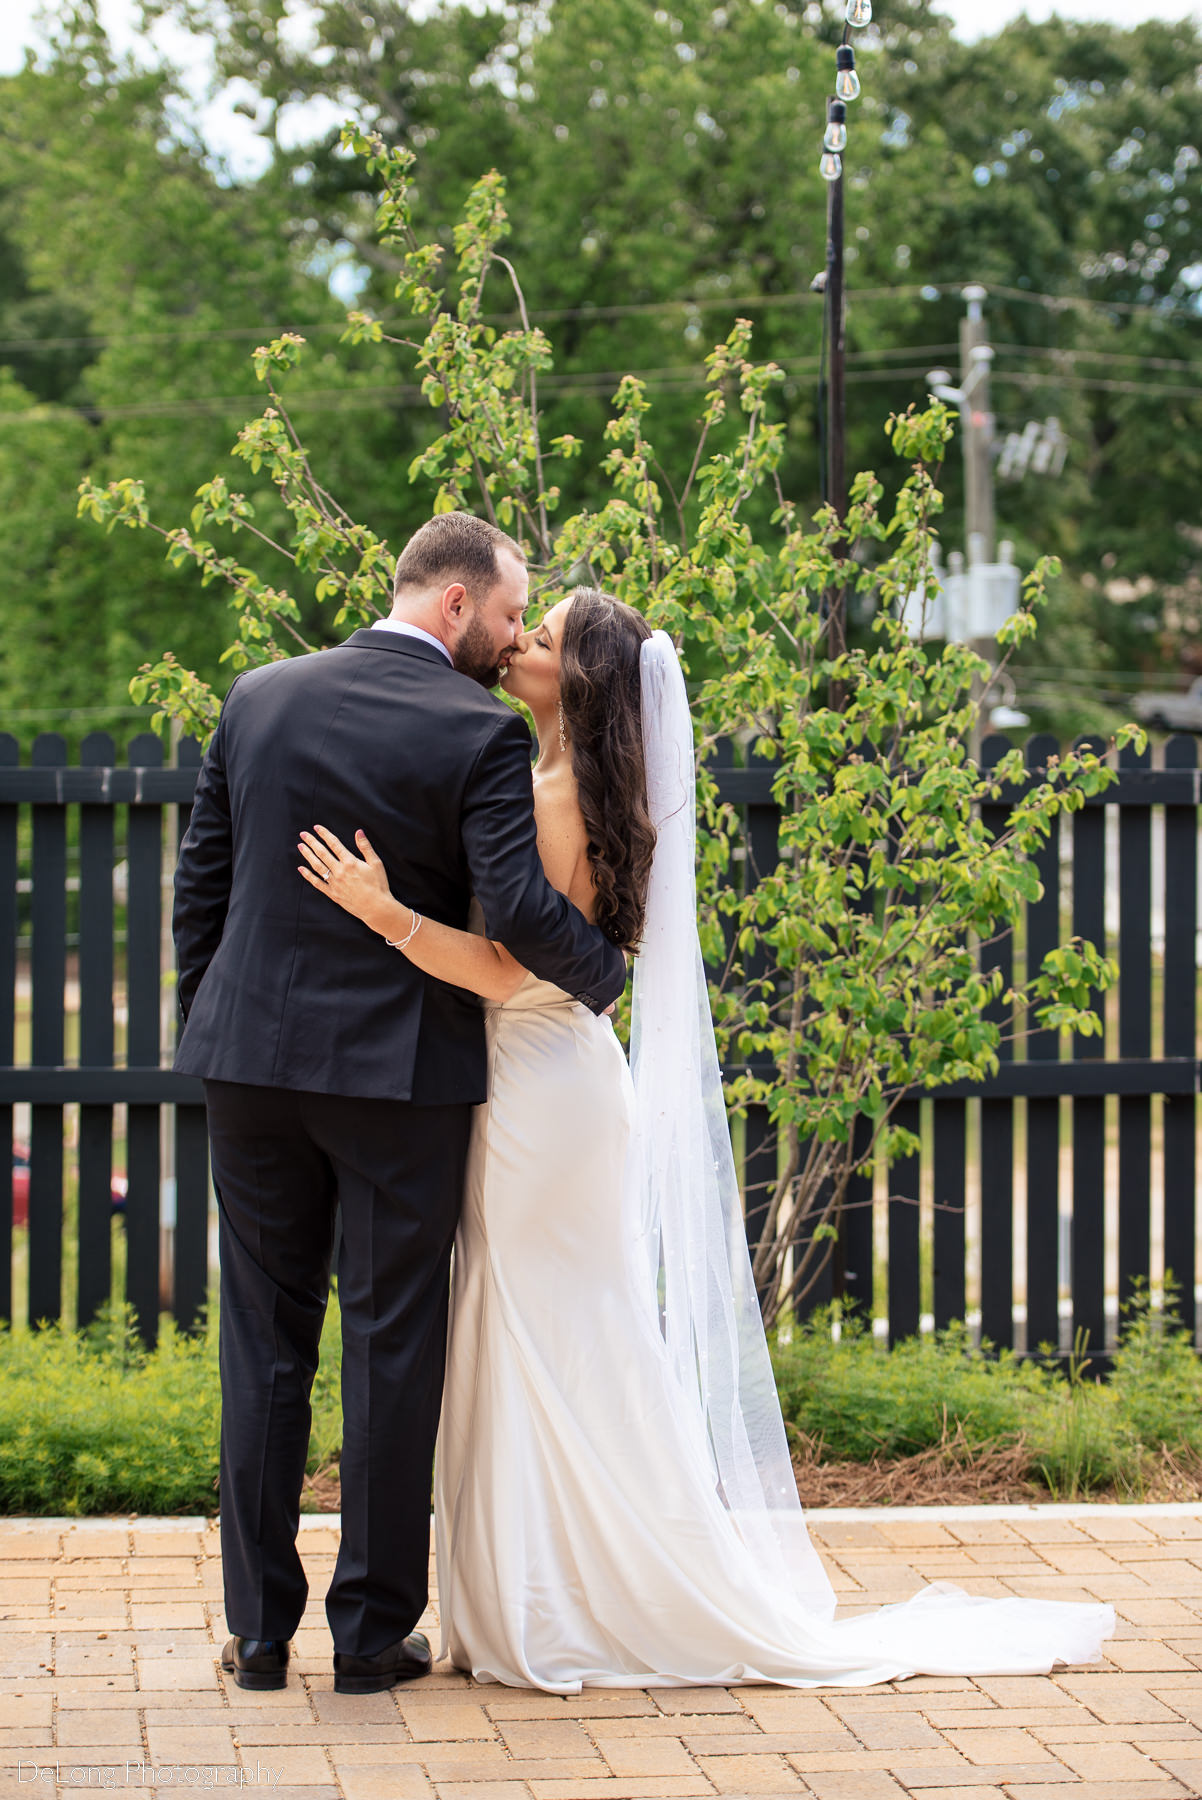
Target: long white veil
(683,1172)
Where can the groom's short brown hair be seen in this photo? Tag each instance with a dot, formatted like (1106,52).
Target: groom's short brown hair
(455,546)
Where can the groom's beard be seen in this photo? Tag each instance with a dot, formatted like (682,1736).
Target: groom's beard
(476,654)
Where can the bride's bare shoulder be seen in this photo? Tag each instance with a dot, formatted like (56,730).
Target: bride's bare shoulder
(562,833)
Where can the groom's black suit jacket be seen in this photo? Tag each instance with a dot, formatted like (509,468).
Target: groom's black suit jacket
(282,988)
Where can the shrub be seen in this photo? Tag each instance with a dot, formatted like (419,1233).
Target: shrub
(861,1400)
(92,1422)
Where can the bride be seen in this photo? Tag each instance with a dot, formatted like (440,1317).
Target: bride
(614,1501)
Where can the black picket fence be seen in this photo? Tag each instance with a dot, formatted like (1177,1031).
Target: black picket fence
(1093,1157)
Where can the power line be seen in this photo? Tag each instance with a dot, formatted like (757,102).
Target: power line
(1100,356)
(1096,383)
(930,290)
(599,385)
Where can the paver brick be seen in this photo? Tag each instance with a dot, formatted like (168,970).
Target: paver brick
(26,1709)
(747,1743)
(385,1781)
(122,1727)
(998,1745)
(1034,1718)
(184,1744)
(1143,1655)
(1107,1762)
(972,1793)
(648,1756)
(446,1723)
(895,1730)
(660,1787)
(873,1784)
(475,1790)
(1116,1699)
(1187,1770)
(701,1700)
(546,1737)
(1165,1789)
(714,1728)
(14,1736)
(750,1775)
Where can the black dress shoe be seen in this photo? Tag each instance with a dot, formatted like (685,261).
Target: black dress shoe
(257,1662)
(372,1674)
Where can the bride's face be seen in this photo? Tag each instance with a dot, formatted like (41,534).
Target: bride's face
(533,672)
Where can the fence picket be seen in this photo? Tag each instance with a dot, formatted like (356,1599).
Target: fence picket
(949,1162)
(997,1126)
(142,962)
(9,758)
(1088,1252)
(1135,1031)
(904,1190)
(853,1268)
(95,1036)
(760,1160)
(48,968)
(1043,1115)
(1180,1031)
(190,1269)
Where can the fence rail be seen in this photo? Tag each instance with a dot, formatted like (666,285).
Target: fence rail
(1093,1156)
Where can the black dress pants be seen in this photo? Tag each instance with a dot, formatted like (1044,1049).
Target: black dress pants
(282,1163)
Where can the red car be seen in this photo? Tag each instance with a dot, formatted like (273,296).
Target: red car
(21,1186)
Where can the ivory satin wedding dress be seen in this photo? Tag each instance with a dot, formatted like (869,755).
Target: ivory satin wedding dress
(614,1504)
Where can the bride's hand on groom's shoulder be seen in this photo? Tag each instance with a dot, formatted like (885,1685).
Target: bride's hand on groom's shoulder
(359,884)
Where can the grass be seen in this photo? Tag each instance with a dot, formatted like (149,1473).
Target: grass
(90,1422)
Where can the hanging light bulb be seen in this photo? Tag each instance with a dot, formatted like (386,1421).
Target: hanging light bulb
(831,166)
(847,82)
(836,130)
(859,12)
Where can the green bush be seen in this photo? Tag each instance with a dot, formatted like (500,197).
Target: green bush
(855,1400)
(92,1422)
(860,1400)
(1157,1376)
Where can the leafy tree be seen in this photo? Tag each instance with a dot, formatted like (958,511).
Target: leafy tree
(663,168)
(661,157)
(887,876)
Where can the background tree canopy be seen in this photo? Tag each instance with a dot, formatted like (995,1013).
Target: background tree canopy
(662,176)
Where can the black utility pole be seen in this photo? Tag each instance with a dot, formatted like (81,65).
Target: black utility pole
(847,88)
(836,471)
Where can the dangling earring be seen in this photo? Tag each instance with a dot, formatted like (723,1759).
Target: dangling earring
(563,736)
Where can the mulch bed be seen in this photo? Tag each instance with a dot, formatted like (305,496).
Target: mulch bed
(950,1473)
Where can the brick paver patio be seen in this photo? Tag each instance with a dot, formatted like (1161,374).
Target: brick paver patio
(109,1631)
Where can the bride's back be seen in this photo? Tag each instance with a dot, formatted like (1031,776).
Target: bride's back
(563,837)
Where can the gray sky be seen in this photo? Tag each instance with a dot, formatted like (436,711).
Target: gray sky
(232,136)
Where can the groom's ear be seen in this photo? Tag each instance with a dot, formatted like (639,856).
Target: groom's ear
(454,604)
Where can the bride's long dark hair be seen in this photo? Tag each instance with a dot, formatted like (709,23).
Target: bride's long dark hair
(600,690)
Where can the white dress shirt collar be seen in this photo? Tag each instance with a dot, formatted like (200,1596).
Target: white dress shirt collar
(415,631)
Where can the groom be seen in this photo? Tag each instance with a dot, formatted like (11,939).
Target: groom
(337,1074)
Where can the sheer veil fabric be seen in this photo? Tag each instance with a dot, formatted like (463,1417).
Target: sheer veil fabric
(614,1502)
(693,1247)
(682,1172)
